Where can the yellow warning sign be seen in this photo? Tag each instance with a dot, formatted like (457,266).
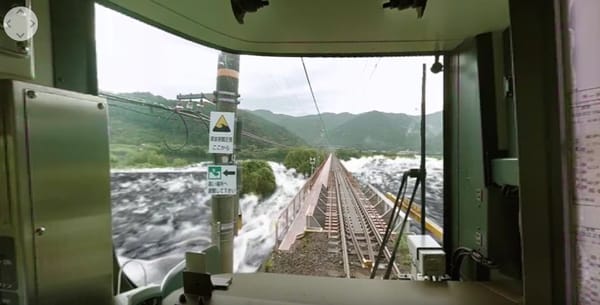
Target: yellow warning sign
(221,132)
(221,125)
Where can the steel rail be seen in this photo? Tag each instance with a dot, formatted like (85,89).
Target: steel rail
(345,258)
(354,206)
(345,208)
(353,201)
(332,208)
(369,219)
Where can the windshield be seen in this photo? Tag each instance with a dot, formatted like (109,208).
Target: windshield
(294,113)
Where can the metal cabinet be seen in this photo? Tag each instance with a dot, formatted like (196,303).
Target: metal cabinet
(58,194)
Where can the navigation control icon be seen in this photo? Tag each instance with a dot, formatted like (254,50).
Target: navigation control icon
(20,23)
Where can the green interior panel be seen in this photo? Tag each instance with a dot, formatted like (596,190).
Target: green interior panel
(483,213)
(74,46)
(44,69)
(469,196)
(315,27)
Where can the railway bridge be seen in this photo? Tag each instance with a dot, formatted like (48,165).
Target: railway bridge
(351,218)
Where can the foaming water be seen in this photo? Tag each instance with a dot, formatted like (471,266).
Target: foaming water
(257,237)
(386,174)
(159,214)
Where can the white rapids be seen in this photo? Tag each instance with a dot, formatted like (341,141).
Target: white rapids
(159,214)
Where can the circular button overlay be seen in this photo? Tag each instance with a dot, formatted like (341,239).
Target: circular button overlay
(20,23)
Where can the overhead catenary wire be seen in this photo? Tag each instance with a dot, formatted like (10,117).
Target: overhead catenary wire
(136,111)
(177,114)
(312,93)
(367,82)
(374,68)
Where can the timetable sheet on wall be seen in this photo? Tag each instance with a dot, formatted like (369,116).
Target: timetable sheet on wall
(584,26)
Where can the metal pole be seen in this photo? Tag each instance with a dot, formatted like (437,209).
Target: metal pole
(423,172)
(224,207)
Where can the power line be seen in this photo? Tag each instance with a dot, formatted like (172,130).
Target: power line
(368,81)
(170,118)
(374,69)
(134,110)
(315,101)
(187,135)
(196,116)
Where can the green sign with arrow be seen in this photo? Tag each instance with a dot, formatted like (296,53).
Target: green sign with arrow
(222,179)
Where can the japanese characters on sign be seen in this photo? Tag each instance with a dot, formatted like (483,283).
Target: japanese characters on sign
(221,131)
(222,179)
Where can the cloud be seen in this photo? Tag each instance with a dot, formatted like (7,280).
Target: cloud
(133,56)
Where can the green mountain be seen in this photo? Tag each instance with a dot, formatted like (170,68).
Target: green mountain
(142,136)
(366,131)
(138,124)
(306,127)
(268,130)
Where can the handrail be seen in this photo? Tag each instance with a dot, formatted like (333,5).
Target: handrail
(283,221)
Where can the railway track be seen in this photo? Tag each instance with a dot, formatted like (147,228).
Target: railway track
(354,224)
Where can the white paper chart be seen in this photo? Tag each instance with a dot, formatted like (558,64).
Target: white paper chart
(584,26)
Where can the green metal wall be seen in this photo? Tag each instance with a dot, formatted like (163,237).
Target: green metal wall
(74,45)
(479,124)
(468,217)
(63,52)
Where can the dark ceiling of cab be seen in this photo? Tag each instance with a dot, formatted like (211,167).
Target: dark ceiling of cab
(319,27)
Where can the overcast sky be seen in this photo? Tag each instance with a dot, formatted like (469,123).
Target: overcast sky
(133,56)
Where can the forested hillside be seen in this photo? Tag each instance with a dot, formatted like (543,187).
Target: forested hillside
(366,131)
(142,136)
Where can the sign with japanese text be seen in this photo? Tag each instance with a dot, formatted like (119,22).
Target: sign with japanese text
(221,131)
(222,179)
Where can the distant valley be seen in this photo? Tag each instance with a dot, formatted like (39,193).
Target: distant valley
(366,131)
(143,136)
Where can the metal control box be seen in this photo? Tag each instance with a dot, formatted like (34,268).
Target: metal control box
(55,221)
(427,256)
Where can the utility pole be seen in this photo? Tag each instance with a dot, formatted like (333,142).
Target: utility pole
(423,171)
(225,206)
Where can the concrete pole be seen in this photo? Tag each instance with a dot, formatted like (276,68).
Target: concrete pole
(224,207)
(423,149)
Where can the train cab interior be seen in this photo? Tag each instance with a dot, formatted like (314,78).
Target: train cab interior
(509,173)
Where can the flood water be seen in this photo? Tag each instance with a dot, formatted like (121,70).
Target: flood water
(159,214)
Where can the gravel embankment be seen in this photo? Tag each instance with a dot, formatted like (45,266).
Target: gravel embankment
(310,256)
